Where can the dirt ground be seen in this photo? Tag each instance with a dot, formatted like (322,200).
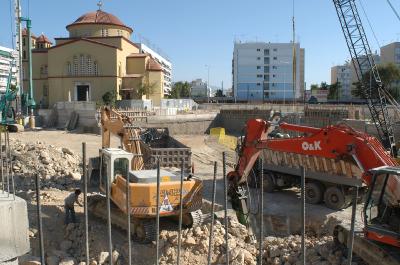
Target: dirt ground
(204,152)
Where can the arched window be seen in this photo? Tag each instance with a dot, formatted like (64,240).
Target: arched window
(95,68)
(89,65)
(69,68)
(82,65)
(76,66)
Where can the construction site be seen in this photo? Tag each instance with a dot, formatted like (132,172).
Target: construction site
(214,183)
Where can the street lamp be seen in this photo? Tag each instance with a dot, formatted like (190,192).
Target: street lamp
(208,82)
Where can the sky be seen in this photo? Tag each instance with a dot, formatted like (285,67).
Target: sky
(194,34)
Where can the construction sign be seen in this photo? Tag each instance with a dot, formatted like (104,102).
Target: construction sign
(166,205)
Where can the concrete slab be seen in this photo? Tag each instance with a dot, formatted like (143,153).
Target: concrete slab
(14,239)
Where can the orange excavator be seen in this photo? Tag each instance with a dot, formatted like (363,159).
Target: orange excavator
(336,159)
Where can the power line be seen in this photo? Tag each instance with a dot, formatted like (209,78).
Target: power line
(369,24)
(394,10)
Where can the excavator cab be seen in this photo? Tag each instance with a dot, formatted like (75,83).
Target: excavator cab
(114,162)
(381,209)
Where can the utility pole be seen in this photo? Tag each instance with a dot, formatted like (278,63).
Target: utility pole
(208,83)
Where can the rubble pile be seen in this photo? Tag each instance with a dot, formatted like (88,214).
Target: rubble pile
(276,251)
(57,167)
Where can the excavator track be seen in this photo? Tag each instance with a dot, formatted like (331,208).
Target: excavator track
(369,251)
(143,230)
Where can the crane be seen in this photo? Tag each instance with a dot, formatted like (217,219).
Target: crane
(363,61)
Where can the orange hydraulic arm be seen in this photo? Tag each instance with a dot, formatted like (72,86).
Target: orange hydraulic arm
(120,126)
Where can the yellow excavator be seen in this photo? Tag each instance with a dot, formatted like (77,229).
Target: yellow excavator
(115,165)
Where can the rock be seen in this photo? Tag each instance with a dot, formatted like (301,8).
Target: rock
(67,261)
(66,150)
(190,241)
(115,256)
(75,175)
(52,260)
(103,256)
(30,262)
(65,245)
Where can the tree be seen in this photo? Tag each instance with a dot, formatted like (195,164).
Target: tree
(109,98)
(180,90)
(146,88)
(324,86)
(334,91)
(390,75)
(314,87)
(219,93)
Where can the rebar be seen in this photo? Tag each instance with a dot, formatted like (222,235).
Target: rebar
(128,216)
(225,206)
(210,241)
(110,247)
(2,161)
(158,213)
(12,182)
(85,201)
(39,220)
(303,216)
(353,220)
(180,215)
(8,155)
(261,212)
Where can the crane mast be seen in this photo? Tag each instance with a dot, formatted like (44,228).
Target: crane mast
(363,62)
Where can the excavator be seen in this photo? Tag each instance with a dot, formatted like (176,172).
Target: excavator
(116,165)
(337,158)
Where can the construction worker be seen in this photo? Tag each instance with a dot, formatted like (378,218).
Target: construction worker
(69,204)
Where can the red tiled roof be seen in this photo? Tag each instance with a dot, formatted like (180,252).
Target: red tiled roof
(152,65)
(25,32)
(99,17)
(43,38)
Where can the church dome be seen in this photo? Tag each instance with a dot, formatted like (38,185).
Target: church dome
(99,17)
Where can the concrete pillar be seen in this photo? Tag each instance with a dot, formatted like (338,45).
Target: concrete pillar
(14,238)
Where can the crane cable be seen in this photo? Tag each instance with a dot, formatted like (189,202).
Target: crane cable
(393,9)
(12,25)
(369,23)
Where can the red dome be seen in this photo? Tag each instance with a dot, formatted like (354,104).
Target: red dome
(99,17)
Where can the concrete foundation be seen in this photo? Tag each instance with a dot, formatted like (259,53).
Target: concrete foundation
(14,239)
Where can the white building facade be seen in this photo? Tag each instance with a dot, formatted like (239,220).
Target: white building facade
(6,57)
(342,74)
(264,71)
(199,88)
(166,66)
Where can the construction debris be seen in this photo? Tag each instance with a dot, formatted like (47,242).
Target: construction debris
(57,167)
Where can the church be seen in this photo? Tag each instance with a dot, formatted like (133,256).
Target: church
(97,57)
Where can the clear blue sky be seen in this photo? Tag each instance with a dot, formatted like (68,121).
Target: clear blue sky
(195,33)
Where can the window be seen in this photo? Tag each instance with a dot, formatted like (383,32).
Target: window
(82,65)
(266,60)
(258,84)
(121,167)
(119,32)
(259,76)
(258,67)
(45,91)
(24,54)
(266,77)
(275,58)
(69,68)
(266,52)
(275,50)
(274,67)
(89,65)
(76,67)
(273,75)
(266,69)
(95,68)
(258,58)
(266,86)
(23,41)
(258,50)
(273,84)
(41,70)
(45,70)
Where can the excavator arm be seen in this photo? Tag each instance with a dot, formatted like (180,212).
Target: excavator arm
(114,123)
